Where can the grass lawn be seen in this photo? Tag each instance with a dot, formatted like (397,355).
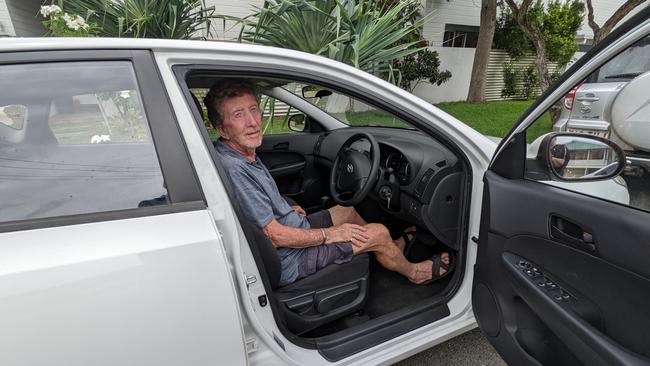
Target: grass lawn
(496,118)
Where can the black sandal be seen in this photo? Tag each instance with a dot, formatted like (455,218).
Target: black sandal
(437,264)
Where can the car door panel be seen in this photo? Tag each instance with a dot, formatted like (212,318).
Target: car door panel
(151,290)
(603,320)
(290,160)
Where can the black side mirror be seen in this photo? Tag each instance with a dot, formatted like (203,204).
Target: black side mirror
(297,122)
(579,157)
(315,92)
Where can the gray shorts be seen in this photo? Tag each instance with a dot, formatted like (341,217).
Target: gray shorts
(313,259)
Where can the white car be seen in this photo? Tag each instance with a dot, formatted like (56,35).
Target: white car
(132,251)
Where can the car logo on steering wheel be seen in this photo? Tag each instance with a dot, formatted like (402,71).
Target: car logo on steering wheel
(350,168)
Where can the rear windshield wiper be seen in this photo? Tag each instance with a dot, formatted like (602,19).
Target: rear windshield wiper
(629,75)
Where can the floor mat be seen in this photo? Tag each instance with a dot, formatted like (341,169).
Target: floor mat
(390,291)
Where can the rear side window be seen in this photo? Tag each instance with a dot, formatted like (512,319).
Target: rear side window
(626,66)
(84,143)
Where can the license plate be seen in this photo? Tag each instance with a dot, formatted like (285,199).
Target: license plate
(599,133)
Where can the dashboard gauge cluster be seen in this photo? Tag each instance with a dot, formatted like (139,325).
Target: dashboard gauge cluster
(400,166)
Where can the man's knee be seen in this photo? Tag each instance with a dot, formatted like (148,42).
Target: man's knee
(343,214)
(379,233)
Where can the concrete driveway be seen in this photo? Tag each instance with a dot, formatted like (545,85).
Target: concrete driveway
(470,348)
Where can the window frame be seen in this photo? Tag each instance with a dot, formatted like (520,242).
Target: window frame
(182,185)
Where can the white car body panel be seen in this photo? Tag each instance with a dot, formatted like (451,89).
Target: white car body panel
(142,291)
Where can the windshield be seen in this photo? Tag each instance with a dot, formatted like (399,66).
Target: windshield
(629,64)
(346,109)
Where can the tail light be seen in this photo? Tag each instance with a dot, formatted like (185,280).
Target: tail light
(570,96)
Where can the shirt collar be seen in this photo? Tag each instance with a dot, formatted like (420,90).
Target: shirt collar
(223,148)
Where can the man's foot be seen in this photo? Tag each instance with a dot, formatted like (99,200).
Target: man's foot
(407,238)
(423,272)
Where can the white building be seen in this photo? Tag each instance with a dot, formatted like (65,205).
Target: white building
(452,31)
(21,18)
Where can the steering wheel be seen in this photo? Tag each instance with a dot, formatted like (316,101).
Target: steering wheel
(354,172)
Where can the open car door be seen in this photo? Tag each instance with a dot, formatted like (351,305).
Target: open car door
(562,277)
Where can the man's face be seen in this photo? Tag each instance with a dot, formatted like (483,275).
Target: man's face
(242,122)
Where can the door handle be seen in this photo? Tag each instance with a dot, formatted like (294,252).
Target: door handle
(281,146)
(568,232)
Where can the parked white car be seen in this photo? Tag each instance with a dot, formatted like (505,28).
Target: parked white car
(132,250)
(611,103)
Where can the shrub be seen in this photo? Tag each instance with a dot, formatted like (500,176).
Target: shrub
(356,32)
(530,81)
(177,19)
(510,80)
(420,67)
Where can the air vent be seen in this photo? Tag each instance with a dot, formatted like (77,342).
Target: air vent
(441,163)
(422,184)
(318,143)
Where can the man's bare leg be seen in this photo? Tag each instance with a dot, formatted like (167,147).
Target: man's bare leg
(400,242)
(341,215)
(392,258)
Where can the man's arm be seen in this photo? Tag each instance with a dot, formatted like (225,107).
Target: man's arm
(291,237)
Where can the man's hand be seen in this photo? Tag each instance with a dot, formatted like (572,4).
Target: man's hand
(299,210)
(356,234)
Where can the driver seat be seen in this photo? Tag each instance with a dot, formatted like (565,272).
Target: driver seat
(329,294)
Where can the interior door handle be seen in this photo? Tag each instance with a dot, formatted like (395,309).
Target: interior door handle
(568,232)
(281,146)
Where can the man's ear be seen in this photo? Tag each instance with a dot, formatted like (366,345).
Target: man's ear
(222,133)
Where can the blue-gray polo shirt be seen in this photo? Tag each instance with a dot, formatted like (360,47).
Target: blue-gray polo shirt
(261,201)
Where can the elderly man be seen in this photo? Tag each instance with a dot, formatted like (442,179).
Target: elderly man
(305,243)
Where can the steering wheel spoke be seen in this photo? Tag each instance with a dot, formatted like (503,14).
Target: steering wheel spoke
(354,172)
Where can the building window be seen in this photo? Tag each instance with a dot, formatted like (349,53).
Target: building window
(460,36)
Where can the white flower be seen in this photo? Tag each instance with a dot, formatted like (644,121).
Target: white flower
(125,94)
(46,10)
(75,23)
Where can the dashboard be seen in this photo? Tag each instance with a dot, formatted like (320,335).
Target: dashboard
(423,176)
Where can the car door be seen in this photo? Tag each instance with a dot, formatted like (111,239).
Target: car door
(562,277)
(108,254)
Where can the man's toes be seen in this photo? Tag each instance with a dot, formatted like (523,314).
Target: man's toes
(445,258)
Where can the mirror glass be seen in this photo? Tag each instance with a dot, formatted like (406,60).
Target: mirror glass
(577,158)
(312,91)
(297,122)
(13,115)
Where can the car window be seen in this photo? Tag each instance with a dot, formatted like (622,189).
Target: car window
(85,145)
(619,112)
(347,109)
(276,115)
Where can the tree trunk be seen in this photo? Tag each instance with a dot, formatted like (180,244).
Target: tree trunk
(481,57)
(540,60)
(619,14)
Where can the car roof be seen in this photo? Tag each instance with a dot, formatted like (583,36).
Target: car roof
(57,44)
